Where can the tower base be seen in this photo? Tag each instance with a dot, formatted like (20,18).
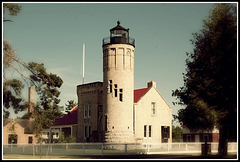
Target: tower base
(119,137)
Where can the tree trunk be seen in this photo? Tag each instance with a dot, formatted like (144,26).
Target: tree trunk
(223,143)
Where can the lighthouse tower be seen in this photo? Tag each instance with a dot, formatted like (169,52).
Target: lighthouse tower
(118,85)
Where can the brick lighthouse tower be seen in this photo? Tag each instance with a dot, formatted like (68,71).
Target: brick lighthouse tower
(118,85)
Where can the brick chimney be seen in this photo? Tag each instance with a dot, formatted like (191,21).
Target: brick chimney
(151,84)
(31,102)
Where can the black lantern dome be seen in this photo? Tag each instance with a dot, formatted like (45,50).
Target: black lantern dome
(119,35)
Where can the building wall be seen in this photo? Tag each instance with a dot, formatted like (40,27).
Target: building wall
(141,114)
(215,137)
(75,130)
(187,131)
(118,88)
(144,116)
(19,130)
(199,136)
(89,94)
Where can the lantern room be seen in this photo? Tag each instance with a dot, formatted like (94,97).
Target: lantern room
(119,35)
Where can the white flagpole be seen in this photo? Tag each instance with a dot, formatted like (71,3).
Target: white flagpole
(83,63)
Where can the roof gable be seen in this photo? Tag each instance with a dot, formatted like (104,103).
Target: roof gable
(138,93)
(67,119)
(6,121)
(27,124)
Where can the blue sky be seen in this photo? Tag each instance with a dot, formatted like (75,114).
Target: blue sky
(53,34)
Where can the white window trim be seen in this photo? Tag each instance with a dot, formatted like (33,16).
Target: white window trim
(85,111)
(147,132)
(89,111)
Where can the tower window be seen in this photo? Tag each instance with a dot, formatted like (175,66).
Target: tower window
(106,123)
(110,86)
(115,90)
(121,95)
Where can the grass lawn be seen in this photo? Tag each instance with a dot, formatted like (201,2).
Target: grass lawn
(19,156)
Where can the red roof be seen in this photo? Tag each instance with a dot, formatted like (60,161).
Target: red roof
(67,119)
(138,93)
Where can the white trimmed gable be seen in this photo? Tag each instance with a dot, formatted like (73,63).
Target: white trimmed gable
(144,115)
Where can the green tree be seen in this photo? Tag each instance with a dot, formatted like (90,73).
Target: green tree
(12,97)
(12,88)
(63,139)
(47,109)
(176,134)
(210,83)
(46,85)
(71,104)
(12,137)
(13,9)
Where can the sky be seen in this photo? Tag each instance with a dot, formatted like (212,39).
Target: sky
(54,34)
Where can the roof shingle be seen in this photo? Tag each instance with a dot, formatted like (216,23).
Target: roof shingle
(138,93)
(67,119)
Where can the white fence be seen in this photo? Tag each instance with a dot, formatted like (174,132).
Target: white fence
(164,148)
(110,149)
